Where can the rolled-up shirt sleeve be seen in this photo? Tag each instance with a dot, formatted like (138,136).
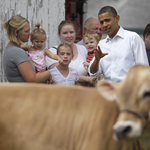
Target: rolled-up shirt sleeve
(96,73)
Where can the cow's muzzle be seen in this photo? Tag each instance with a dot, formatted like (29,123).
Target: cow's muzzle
(128,129)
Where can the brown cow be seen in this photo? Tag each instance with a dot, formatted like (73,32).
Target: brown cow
(134,103)
(44,117)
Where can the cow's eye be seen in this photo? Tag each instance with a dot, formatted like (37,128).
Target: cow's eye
(146,94)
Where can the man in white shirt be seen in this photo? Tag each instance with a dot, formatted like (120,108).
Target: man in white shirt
(91,25)
(119,51)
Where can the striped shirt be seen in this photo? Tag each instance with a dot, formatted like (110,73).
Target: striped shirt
(58,78)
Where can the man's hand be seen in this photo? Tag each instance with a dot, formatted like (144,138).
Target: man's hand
(99,54)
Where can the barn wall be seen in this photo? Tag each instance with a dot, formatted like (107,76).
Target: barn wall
(47,12)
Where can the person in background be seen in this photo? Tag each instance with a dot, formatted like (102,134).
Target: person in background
(119,51)
(91,41)
(146,36)
(37,52)
(63,74)
(91,25)
(17,65)
(67,34)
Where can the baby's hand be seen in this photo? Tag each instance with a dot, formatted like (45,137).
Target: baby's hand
(60,60)
(86,64)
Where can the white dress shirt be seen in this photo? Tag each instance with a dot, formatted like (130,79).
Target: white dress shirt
(125,50)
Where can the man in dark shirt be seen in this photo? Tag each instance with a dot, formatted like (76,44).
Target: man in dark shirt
(146,36)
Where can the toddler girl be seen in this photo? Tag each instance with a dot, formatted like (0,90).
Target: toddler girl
(36,52)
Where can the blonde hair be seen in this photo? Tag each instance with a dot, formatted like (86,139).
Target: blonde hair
(91,35)
(38,32)
(64,45)
(63,23)
(16,22)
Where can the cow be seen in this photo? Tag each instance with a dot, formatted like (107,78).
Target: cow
(133,96)
(50,117)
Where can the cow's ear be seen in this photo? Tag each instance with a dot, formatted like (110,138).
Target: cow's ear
(107,90)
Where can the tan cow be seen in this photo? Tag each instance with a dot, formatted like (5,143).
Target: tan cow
(46,117)
(133,96)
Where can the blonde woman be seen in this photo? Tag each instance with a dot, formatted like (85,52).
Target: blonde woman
(17,65)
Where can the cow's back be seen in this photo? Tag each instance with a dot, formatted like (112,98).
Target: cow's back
(45,117)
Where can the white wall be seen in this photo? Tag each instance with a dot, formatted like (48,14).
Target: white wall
(134,14)
(48,12)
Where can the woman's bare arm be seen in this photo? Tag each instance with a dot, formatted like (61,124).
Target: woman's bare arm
(25,47)
(29,75)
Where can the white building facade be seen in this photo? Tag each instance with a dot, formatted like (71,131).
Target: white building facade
(47,12)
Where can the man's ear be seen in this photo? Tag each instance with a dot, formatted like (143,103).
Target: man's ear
(85,30)
(107,90)
(117,18)
(146,36)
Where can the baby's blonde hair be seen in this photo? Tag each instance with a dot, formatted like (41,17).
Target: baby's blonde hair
(91,35)
(38,32)
(16,22)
